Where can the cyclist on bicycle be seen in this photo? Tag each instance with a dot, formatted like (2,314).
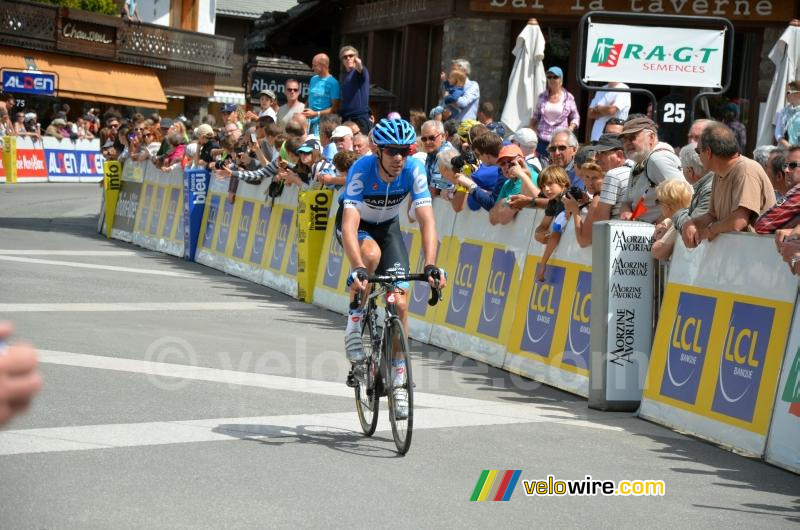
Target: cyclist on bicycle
(368,227)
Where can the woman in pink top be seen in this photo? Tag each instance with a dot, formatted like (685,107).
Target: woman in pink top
(555,109)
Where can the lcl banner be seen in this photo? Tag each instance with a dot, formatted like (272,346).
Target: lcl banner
(654,56)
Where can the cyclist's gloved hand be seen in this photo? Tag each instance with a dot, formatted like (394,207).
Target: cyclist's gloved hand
(360,275)
(436,277)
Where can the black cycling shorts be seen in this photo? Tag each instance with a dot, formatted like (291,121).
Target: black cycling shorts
(394,256)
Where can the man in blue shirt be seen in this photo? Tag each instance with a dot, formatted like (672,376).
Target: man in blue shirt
(323,93)
(355,89)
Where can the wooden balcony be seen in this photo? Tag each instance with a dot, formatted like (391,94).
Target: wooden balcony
(75,32)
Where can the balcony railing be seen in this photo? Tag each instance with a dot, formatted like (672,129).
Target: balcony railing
(38,26)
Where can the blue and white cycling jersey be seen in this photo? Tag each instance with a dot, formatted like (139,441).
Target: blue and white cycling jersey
(377,201)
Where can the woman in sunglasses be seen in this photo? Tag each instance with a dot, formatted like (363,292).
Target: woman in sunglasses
(555,109)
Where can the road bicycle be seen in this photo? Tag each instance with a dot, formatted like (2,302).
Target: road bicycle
(373,378)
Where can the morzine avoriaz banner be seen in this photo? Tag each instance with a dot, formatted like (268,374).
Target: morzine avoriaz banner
(654,55)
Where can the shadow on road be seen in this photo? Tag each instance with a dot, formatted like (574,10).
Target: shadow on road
(350,442)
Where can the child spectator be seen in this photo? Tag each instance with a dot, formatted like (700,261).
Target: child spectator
(553,181)
(578,202)
(671,196)
(452,89)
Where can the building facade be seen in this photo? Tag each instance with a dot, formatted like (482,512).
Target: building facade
(104,60)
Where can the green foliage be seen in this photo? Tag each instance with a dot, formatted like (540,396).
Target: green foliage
(108,7)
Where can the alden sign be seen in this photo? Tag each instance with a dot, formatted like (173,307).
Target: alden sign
(668,56)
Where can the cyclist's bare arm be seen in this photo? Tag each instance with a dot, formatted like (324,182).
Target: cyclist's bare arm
(350,222)
(430,239)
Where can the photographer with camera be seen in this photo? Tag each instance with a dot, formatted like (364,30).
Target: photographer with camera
(474,172)
(579,204)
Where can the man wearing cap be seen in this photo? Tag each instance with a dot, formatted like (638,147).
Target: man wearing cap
(606,105)
(342,138)
(355,89)
(512,162)
(228,112)
(205,140)
(654,164)
(293,104)
(266,102)
(610,156)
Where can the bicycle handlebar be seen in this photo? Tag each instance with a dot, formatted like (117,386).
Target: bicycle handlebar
(436,293)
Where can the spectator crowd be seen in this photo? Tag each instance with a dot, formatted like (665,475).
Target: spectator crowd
(704,187)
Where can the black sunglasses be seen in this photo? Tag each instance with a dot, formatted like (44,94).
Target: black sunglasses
(791,166)
(394,151)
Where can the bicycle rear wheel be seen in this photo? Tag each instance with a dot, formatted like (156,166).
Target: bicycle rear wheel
(397,349)
(367,395)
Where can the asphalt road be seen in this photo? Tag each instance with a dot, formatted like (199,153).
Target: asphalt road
(178,397)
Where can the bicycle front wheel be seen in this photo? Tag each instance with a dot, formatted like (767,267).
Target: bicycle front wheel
(366,388)
(401,396)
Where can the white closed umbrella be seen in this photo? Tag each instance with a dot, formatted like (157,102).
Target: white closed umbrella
(786,56)
(527,79)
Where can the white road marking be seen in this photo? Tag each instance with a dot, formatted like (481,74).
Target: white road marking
(78,265)
(12,252)
(135,306)
(433,411)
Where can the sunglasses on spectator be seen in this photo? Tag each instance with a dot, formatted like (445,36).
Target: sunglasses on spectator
(429,138)
(559,148)
(508,162)
(394,151)
(791,166)
(790,92)
(293,90)
(553,77)
(348,55)
(615,121)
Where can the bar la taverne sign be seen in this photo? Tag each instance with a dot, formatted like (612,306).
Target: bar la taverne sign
(750,10)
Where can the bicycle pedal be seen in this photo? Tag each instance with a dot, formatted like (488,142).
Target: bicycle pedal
(351,380)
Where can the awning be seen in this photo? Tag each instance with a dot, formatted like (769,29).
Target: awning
(93,80)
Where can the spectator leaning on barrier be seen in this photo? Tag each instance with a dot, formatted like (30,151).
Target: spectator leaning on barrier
(445,160)
(527,140)
(342,163)
(205,140)
(562,149)
(355,89)
(673,196)
(701,181)
(488,175)
(554,181)
(655,163)
(788,242)
(577,202)
(741,190)
(293,105)
(787,213)
(610,156)
(518,183)
(433,141)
